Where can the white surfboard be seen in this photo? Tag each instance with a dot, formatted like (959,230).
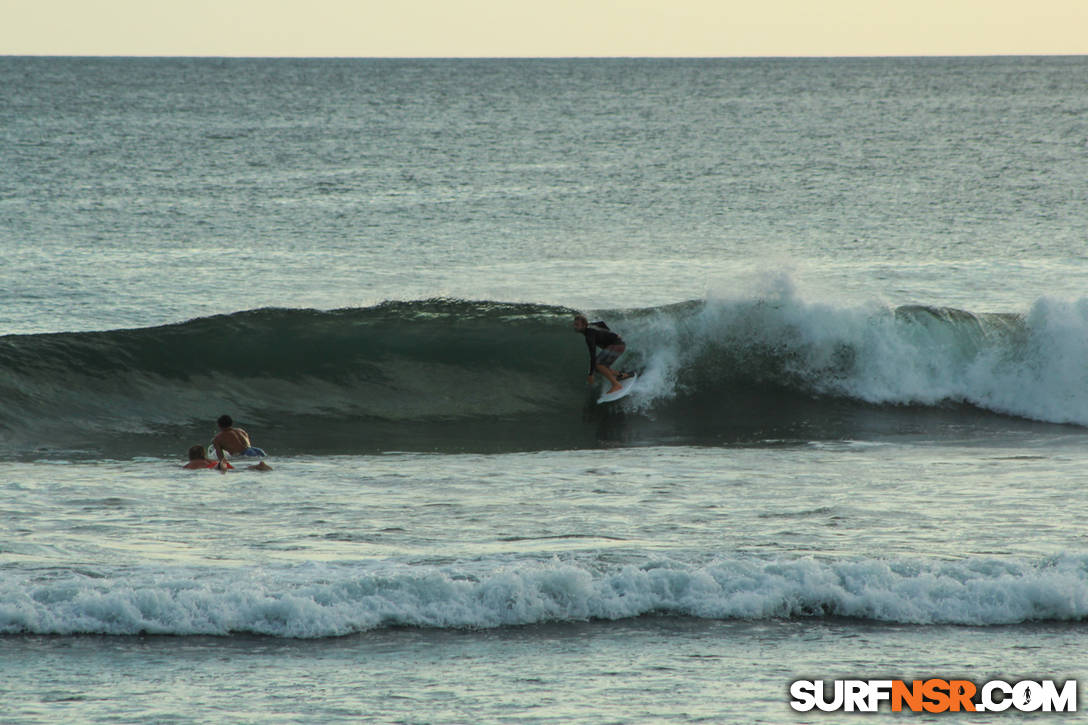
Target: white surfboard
(625,387)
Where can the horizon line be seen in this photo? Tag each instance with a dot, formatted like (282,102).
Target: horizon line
(179,56)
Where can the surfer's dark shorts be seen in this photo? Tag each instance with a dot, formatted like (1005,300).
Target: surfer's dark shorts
(608,355)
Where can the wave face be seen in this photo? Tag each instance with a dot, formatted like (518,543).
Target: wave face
(452,375)
(327,600)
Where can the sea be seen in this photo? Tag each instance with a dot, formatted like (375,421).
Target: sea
(855,289)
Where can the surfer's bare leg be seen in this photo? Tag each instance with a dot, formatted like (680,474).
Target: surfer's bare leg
(611,376)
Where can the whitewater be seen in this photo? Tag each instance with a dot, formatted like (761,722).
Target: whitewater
(853,289)
(345,602)
(472,548)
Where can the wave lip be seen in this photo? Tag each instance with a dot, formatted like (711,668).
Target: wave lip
(315,601)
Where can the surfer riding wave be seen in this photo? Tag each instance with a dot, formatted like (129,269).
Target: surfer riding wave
(605,347)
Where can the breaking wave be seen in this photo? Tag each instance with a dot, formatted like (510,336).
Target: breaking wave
(459,375)
(330,600)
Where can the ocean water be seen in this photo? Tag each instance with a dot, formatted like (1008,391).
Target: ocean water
(854,289)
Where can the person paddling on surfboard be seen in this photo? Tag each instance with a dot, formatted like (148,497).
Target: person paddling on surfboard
(611,346)
(234,441)
(198,458)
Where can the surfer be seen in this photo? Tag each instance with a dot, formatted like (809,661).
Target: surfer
(234,441)
(198,458)
(611,347)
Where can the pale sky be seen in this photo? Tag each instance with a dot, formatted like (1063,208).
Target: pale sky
(532,28)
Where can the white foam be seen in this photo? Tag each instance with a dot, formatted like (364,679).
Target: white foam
(1032,365)
(334,600)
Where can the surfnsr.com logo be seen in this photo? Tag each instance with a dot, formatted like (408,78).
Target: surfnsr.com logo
(933,695)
